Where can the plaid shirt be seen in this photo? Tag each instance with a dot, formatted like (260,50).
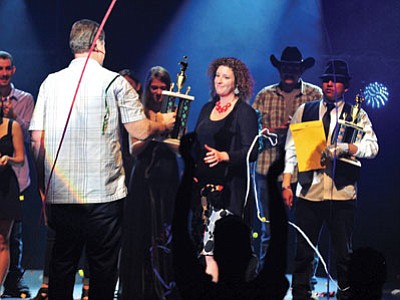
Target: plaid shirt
(271,103)
(89,167)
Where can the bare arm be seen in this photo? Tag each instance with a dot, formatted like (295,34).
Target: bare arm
(287,193)
(145,128)
(18,144)
(137,146)
(38,154)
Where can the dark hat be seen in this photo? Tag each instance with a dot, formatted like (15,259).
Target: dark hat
(337,68)
(292,55)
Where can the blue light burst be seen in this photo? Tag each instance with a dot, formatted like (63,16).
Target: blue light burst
(376,94)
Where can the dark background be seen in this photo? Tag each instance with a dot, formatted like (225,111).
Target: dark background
(141,34)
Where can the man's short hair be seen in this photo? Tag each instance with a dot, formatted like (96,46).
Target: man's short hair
(6,55)
(82,35)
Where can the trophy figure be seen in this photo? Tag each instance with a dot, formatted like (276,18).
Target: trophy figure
(175,100)
(349,129)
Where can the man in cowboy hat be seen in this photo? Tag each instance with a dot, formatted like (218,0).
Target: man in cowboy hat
(326,195)
(277,103)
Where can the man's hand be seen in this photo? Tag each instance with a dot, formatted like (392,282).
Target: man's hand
(331,151)
(287,195)
(168,119)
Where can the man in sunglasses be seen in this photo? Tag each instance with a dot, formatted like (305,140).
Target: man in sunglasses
(327,196)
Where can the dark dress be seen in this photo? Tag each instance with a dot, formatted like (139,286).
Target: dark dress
(146,260)
(270,284)
(10,206)
(233,134)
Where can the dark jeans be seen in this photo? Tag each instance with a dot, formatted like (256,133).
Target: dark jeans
(94,226)
(338,216)
(262,228)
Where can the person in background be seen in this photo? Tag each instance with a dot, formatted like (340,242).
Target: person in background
(17,105)
(277,104)
(225,129)
(367,274)
(134,81)
(86,193)
(146,260)
(327,195)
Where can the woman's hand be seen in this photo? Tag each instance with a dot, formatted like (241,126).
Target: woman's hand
(214,157)
(4,160)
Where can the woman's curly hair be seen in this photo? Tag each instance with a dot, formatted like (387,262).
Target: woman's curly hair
(243,79)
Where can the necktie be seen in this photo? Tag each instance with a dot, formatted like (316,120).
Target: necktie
(326,119)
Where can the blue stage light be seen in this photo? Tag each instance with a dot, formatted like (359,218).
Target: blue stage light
(376,94)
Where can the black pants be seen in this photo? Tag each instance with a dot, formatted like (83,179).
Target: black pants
(96,226)
(338,216)
(15,271)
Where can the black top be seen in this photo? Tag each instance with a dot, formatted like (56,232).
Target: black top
(234,134)
(190,277)
(10,206)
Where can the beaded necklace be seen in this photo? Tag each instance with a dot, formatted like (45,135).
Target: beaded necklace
(221,109)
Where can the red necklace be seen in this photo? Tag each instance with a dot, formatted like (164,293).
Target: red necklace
(221,109)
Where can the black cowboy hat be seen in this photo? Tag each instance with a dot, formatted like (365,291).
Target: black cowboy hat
(292,55)
(336,68)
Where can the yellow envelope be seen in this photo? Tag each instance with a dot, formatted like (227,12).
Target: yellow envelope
(309,140)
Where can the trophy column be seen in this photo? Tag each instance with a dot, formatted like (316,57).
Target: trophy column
(349,129)
(175,100)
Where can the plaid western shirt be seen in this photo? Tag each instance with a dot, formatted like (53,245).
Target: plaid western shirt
(272,105)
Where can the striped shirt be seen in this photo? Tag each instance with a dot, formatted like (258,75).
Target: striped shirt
(89,166)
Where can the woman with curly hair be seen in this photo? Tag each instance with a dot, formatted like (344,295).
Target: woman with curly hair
(225,130)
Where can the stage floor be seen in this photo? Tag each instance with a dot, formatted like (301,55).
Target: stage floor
(33,279)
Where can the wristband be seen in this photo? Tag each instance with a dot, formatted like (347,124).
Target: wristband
(286,187)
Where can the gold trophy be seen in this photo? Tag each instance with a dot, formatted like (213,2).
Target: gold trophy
(349,129)
(175,100)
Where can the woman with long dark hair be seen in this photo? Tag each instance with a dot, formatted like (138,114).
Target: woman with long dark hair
(146,260)
(11,153)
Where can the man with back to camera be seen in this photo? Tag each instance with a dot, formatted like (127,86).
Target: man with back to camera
(17,105)
(277,103)
(327,195)
(84,201)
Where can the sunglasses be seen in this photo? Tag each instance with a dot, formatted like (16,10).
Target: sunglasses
(333,79)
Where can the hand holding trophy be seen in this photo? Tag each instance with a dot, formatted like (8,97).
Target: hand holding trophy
(349,132)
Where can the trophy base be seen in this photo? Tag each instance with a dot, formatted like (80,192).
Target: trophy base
(351,160)
(173,144)
(171,141)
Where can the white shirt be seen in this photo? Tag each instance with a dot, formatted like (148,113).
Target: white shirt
(89,166)
(323,187)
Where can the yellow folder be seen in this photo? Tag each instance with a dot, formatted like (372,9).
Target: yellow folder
(309,140)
